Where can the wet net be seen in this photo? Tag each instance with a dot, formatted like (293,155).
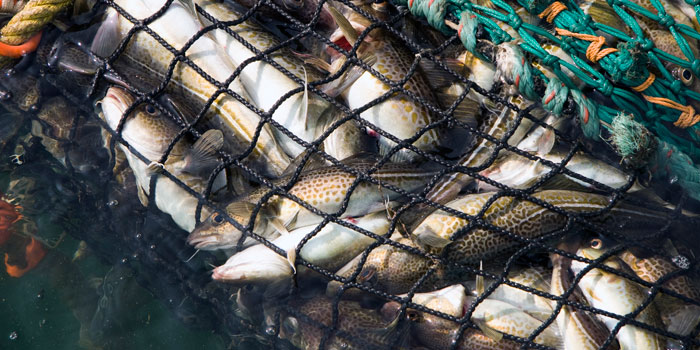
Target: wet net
(525,254)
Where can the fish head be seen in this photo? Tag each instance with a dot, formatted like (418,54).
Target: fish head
(255,265)
(216,232)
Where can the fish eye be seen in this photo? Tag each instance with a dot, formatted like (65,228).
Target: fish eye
(596,243)
(150,109)
(684,75)
(366,274)
(413,316)
(218,218)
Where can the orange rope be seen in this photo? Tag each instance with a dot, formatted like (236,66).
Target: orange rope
(646,84)
(552,11)
(687,119)
(17,51)
(594,52)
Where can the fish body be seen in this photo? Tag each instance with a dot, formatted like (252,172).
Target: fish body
(678,316)
(520,217)
(324,188)
(150,133)
(519,172)
(356,328)
(535,305)
(509,319)
(449,300)
(609,292)
(332,247)
(177,25)
(579,329)
(301,113)
(399,115)
(393,270)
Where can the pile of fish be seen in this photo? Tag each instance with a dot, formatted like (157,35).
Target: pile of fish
(357,194)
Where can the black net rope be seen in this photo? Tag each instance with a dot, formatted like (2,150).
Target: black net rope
(217,297)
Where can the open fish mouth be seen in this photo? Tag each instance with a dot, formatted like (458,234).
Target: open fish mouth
(200,241)
(114,104)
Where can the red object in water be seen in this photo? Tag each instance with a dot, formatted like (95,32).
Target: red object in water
(17,51)
(8,216)
(34,252)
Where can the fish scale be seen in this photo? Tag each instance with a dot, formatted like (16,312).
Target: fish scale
(678,316)
(519,217)
(143,53)
(615,294)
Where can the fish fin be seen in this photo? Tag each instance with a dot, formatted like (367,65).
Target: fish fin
(276,288)
(154,168)
(241,208)
(436,77)
(305,102)
(466,112)
(143,197)
(344,25)
(314,162)
(488,331)
(480,280)
(347,78)
(601,12)
(203,152)
(279,226)
(430,238)
(291,222)
(684,324)
(292,258)
(313,60)
(107,38)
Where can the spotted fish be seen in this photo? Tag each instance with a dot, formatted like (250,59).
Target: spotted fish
(615,294)
(324,188)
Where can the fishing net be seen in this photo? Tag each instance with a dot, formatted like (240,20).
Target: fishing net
(613,86)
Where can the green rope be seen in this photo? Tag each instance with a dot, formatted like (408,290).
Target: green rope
(615,75)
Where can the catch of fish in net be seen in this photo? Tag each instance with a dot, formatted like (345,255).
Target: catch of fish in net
(354,174)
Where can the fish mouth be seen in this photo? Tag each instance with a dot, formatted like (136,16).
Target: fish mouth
(200,241)
(114,104)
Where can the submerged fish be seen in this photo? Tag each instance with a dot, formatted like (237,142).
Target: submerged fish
(394,270)
(150,133)
(678,316)
(178,25)
(397,114)
(332,247)
(579,329)
(615,294)
(310,321)
(532,277)
(325,188)
(522,218)
(302,113)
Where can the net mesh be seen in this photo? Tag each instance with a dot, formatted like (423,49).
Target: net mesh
(147,243)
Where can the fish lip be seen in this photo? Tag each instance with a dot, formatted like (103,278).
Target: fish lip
(119,97)
(201,241)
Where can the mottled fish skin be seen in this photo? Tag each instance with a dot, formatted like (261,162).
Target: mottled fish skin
(324,188)
(449,300)
(357,328)
(437,333)
(533,277)
(394,271)
(520,217)
(331,248)
(176,26)
(399,115)
(579,329)
(609,292)
(678,316)
(150,133)
(266,84)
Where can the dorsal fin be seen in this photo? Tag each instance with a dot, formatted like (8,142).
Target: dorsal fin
(202,155)
(107,38)
(314,162)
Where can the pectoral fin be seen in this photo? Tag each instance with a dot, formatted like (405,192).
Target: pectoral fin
(430,238)
(488,331)
(202,155)
(107,38)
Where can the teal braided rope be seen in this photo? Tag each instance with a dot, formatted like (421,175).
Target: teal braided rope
(639,148)
(627,66)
